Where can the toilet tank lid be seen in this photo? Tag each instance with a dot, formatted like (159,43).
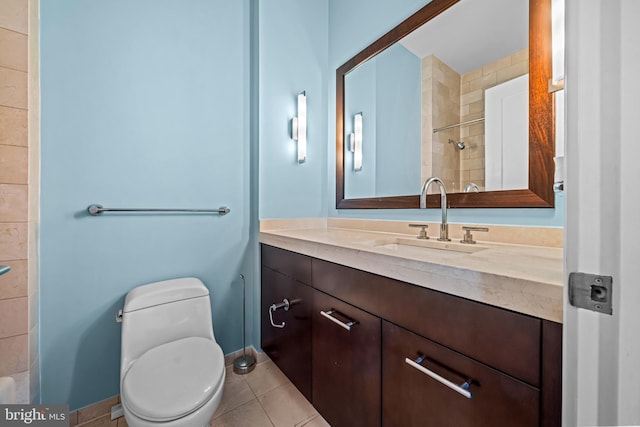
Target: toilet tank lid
(164,292)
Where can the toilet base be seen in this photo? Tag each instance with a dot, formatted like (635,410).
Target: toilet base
(199,418)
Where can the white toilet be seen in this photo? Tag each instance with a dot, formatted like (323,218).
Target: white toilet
(171,368)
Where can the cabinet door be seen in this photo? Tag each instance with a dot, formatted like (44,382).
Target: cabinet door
(288,346)
(346,363)
(412,397)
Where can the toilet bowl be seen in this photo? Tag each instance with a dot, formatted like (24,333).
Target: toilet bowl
(171,367)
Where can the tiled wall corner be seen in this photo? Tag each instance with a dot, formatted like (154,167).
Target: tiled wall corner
(426,166)
(33,211)
(18,301)
(441,107)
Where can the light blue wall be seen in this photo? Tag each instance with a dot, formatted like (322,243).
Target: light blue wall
(293,58)
(399,125)
(144,104)
(347,36)
(360,97)
(387,91)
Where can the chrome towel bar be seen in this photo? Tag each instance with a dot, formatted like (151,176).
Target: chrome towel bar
(4,269)
(96,210)
(469,122)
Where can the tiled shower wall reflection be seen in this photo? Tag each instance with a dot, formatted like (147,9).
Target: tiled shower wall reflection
(18,215)
(440,107)
(472,87)
(448,98)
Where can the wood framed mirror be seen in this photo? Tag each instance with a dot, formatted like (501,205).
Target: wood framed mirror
(541,127)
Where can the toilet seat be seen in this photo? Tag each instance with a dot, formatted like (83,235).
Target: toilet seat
(174,379)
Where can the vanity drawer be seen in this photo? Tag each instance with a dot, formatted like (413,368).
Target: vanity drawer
(288,263)
(345,363)
(410,397)
(500,338)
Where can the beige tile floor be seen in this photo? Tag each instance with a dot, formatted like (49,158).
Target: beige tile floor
(264,397)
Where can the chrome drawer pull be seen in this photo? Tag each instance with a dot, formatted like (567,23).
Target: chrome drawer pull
(328,315)
(462,389)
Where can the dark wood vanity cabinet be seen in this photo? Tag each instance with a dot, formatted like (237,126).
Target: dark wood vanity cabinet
(345,363)
(365,376)
(410,397)
(488,334)
(289,346)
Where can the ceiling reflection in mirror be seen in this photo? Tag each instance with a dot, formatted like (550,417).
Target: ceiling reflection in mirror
(448,100)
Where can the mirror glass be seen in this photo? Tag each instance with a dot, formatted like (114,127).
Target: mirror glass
(467,65)
(450,99)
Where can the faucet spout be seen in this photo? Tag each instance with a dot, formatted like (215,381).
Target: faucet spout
(444,227)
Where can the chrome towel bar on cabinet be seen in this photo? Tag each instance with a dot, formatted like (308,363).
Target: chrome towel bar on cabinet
(96,210)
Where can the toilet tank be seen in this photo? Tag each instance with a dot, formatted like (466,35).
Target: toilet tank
(163,312)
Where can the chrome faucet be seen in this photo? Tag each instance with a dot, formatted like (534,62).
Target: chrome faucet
(444,227)
(472,187)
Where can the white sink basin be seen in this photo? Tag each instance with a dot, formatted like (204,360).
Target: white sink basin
(431,247)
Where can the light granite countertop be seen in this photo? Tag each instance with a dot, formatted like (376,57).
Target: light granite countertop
(515,276)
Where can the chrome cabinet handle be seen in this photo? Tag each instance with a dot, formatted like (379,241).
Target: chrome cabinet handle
(4,269)
(284,304)
(462,389)
(328,315)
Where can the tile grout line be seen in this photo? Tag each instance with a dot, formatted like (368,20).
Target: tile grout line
(285,384)
(14,69)
(308,420)
(15,31)
(17,335)
(246,403)
(264,410)
(243,377)
(13,106)
(257,398)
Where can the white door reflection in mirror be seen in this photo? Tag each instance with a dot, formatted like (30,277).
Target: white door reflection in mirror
(507,135)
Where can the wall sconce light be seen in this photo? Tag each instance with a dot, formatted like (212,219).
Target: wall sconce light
(355,142)
(299,127)
(557,46)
